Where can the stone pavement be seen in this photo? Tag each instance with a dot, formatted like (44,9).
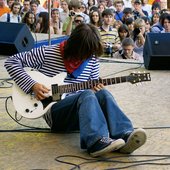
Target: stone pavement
(147,105)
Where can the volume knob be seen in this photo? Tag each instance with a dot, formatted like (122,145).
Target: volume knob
(27,110)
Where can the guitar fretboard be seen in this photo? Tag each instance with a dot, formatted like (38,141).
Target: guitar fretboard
(86,85)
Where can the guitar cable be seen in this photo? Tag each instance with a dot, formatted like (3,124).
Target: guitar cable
(112,160)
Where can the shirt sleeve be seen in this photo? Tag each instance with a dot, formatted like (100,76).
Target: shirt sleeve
(95,70)
(15,66)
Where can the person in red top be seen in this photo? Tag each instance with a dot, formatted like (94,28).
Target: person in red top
(3,8)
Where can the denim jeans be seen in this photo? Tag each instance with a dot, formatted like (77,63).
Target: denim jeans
(95,114)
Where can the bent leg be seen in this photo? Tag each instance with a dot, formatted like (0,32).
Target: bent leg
(81,111)
(118,122)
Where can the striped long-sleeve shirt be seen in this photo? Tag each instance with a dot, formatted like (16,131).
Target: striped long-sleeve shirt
(47,60)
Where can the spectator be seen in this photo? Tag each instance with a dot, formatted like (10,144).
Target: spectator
(83,9)
(3,8)
(74,21)
(25,8)
(127,51)
(74,7)
(101,7)
(147,24)
(65,12)
(117,23)
(127,13)
(130,24)
(14,15)
(43,23)
(138,12)
(147,7)
(34,8)
(156,8)
(155,18)
(95,18)
(139,35)
(166,23)
(10,2)
(109,35)
(109,4)
(90,3)
(30,20)
(104,3)
(158,27)
(123,32)
(119,5)
(56,24)
(164,4)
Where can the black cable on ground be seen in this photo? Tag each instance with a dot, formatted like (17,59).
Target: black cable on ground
(109,159)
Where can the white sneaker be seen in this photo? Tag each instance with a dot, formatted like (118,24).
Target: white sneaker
(135,140)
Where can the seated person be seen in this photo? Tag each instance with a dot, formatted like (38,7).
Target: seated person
(127,51)
(127,13)
(158,27)
(109,35)
(138,12)
(139,34)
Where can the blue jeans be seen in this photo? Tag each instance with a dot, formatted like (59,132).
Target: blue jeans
(95,114)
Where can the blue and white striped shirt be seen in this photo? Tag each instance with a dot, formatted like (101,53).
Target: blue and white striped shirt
(47,60)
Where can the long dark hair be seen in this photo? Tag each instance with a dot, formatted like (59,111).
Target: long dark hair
(83,42)
(45,22)
(91,17)
(25,20)
(123,28)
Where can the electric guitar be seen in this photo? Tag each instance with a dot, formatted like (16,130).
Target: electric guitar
(29,107)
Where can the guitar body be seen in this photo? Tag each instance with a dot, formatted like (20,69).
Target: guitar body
(26,104)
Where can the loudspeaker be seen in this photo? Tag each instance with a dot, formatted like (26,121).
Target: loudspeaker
(14,38)
(156,51)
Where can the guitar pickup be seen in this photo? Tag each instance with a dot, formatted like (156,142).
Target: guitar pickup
(55,92)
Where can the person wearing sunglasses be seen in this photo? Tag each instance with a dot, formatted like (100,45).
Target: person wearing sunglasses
(75,20)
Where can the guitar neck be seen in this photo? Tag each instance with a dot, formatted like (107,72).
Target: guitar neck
(87,85)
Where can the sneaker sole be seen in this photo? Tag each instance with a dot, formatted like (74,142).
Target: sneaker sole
(135,140)
(115,145)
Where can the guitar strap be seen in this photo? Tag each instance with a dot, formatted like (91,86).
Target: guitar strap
(74,68)
(119,16)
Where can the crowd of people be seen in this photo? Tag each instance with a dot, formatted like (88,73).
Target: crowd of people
(115,19)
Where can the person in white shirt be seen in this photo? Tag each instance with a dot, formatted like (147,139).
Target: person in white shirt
(128,3)
(14,15)
(147,7)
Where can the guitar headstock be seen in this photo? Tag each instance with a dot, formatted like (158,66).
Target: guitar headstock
(139,77)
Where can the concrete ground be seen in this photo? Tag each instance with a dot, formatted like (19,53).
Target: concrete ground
(147,105)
